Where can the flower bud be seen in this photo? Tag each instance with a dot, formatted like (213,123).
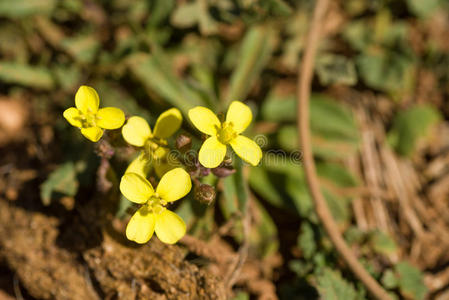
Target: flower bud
(223,171)
(104,149)
(205,193)
(183,143)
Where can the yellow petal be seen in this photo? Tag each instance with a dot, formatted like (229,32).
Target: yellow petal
(247,149)
(92,133)
(110,118)
(136,188)
(73,116)
(212,152)
(168,123)
(204,120)
(140,227)
(169,227)
(240,115)
(86,99)
(136,131)
(174,185)
(141,165)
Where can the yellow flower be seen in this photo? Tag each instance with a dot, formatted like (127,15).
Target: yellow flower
(213,150)
(89,118)
(153,215)
(138,133)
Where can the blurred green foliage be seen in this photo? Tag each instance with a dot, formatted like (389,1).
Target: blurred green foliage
(145,56)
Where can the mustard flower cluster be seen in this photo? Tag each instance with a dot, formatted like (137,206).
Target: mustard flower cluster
(153,216)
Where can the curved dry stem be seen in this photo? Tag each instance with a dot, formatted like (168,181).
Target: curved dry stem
(303,93)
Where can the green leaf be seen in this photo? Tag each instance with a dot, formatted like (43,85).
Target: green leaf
(296,187)
(339,124)
(112,94)
(155,74)
(387,71)
(335,69)
(25,8)
(241,187)
(68,77)
(235,191)
(339,175)
(185,15)
(241,296)
(421,8)
(383,243)
(263,236)
(276,7)
(411,283)
(255,52)
(337,137)
(82,47)
(260,181)
(62,180)
(358,34)
(159,11)
(278,108)
(229,203)
(389,279)
(410,126)
(31,76)
(306,241)
(338,206)
(331,286)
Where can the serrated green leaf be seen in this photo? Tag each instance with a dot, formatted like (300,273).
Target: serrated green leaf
(335,69)
(255,52)
(331,286)
(389,279)
(31,76)
(25,8)
(62,180)
(410,126)
(411,283)
(306,241)
(301,268)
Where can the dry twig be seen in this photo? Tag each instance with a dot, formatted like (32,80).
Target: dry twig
(303,93)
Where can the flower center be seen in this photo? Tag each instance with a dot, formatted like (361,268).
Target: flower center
(226,133)
(154,148)
(156,204)
(88,120)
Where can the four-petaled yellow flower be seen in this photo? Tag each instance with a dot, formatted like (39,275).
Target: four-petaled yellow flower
(213,150)
(138,133)
(89,118)
(153,216)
